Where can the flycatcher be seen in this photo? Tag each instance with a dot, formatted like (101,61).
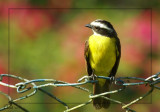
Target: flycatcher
(102,54)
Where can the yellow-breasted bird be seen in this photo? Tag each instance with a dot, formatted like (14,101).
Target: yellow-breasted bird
(102,54)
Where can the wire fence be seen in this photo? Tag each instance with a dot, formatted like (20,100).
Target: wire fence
(22,87)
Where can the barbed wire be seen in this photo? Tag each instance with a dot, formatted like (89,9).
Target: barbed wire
(22,87)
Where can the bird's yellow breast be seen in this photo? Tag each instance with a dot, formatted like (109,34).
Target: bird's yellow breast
(102,52)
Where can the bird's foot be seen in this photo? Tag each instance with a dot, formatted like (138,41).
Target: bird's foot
(112,79)
(93,77)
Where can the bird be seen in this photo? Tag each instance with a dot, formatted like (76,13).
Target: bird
(102,54)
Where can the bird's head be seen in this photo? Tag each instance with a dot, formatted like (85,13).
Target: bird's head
(102,27)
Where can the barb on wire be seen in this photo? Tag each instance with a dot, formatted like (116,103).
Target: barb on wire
(21,87)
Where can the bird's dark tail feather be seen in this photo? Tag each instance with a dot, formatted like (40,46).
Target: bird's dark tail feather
(101,102)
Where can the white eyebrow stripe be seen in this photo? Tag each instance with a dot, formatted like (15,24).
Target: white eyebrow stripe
(100,25)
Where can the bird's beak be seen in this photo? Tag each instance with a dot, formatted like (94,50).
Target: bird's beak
(88,25)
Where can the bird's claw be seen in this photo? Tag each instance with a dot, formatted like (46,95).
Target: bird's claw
(112,79)
(93,77)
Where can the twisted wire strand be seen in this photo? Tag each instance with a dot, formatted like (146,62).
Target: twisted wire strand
(21,87)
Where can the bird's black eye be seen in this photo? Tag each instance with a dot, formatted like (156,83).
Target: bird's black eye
(97,28)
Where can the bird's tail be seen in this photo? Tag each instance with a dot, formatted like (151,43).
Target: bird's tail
(99,102)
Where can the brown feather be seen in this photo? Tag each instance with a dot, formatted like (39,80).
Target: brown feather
(101,102)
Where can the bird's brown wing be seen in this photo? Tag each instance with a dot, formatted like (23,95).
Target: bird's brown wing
(86,55)
(118,55)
